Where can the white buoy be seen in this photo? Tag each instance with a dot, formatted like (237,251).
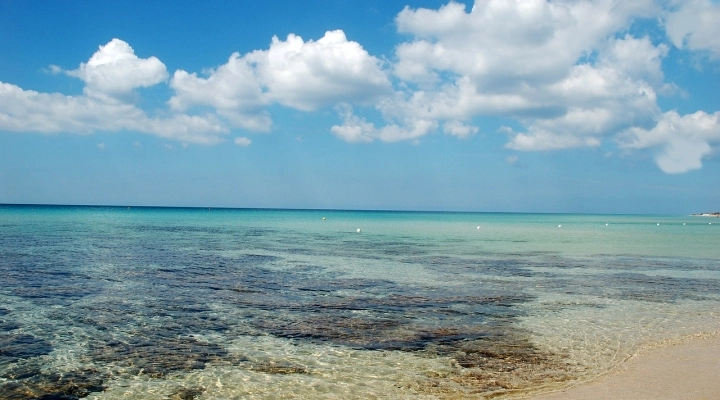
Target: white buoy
(324,218)
(658,224)
(606,224)
(478,227)
(559,226)
(358,230)
(683,223)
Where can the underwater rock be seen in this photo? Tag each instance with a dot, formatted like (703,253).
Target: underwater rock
(56,386)
(157,356)
(185,393)
(273,367)
(17,346)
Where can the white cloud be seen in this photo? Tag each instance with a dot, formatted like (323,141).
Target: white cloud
(295,73)
(110,75)
(206,129)
(537,139)
(232,89)
(30,111)
(354,129)
(357,130)
(242,141)
(600,99)
(554,66)
(681,141)
(503,40)
(308,75)
(115,70)
(459,129)
(695,25)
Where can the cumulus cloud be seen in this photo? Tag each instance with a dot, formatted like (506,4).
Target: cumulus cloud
(115,70)
(554,66)
(110,75)
(681,142)
(299,74)
(502,40)
(459,129)
(695,25)
(308,75)
(30,111)
(357,130)
(295,73)
(599,99)
(232,89)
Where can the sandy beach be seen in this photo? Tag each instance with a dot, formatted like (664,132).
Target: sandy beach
(689,370)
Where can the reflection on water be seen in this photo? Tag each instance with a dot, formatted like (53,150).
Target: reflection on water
(179,304)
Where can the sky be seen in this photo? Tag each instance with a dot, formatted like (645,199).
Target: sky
(495,105)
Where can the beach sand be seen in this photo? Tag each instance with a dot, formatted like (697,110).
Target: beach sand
(688,370)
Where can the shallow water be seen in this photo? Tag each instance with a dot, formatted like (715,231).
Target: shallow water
(147,303)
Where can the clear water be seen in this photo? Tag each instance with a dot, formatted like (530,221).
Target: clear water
(160,303)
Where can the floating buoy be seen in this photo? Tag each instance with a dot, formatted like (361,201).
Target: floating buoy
(658,224)
(683,223)
(478,227)
(323,218)
(559,226)
(606,224)
(358,230)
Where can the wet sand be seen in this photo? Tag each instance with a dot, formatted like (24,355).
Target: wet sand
(689,370)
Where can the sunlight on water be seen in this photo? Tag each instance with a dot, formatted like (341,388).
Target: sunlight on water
(147,303)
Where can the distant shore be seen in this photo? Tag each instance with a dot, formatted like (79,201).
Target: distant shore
(710,214)
(687,370)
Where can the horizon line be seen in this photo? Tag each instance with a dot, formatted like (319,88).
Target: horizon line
(328,209)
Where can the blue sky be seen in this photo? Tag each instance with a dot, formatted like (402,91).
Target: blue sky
(520,106)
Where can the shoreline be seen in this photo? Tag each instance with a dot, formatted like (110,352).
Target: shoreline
(687,368)
(712,215)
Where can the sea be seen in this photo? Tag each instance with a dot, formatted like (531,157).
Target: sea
(206,303)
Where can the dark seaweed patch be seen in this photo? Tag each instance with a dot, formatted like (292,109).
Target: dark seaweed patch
(462,265)
(71,385)
(661,288)
(6,324)
(14,347)
(508,364)
(403,322)
(187,393)
(281,368)
(157,356)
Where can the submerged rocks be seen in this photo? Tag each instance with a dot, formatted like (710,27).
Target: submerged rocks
(187,393)
(156,356)
(17,346)
(54,386)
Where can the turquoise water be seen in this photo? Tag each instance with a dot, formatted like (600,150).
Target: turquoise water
(166,303)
